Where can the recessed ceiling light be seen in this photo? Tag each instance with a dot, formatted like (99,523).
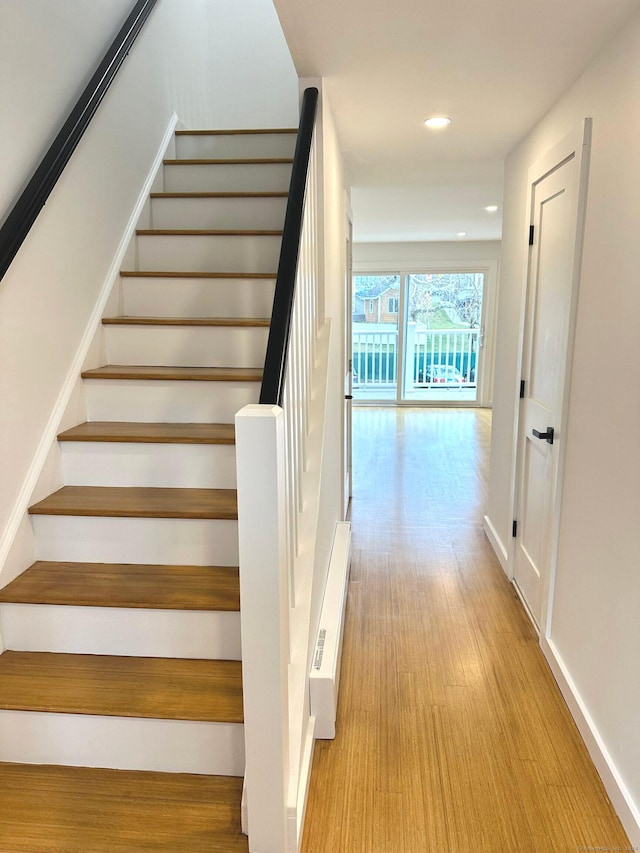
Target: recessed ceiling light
(438,121)
(491,208)
(462,233)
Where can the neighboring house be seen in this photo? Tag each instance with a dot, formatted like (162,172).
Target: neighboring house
(381,307)
(384,307)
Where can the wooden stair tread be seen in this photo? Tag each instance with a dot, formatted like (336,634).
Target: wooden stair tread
(126,585)
(190,374)
(220,195)
(113,686)
(194,274)
(230,161)
(92,810)
(151,433)
(248,322)
(207,232)
(139,502)
(237,131)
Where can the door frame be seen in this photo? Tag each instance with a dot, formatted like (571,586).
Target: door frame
(490,268)
(576,145)
(347,355)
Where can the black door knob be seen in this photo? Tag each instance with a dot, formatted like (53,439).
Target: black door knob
(547,436)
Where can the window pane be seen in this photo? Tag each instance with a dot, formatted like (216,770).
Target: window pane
(376,302)
(444,316)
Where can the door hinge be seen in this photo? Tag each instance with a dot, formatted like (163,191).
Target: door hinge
(514,529)
(531,231)
(521,388)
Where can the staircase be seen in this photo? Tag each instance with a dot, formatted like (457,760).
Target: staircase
(121,684)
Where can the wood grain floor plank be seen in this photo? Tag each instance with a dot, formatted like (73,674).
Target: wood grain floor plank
(185,374)
(449,720)
(206,232)
(153,433)
(226,161)
(220,195)
(157,688)
(129,586)
(139,502)
(194,274)
(239,132)
(50,809)
(231,322)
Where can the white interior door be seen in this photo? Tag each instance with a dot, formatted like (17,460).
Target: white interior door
(556,192)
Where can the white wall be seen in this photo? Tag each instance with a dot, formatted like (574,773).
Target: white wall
(424,254)
(595,632)
(219,64)
(334,257)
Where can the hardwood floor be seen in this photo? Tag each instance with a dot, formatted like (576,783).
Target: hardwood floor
(452,734)
(87,810)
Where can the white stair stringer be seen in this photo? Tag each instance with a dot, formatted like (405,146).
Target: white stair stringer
(209,635)
(171,541)
(217,145)
(160,296)
(240,212)
(126,743)
(180,466)
(186,346)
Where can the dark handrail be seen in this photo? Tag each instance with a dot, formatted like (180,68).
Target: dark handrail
(275,363)
(25,211)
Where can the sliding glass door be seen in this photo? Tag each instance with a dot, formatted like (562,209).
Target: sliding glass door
(418,337)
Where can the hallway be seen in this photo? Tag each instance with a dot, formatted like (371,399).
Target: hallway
(452,735)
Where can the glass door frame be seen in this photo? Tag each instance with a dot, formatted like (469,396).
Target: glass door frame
(485,365)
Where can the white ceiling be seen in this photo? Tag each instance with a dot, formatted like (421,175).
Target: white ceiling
(494,66)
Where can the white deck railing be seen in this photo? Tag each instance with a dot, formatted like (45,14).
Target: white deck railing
(278,467)
(375,356)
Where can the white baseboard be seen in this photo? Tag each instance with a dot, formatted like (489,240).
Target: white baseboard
(619,795)
(324,678)
(57,413)
(496,543)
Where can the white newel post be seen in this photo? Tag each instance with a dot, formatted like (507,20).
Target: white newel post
(264,594)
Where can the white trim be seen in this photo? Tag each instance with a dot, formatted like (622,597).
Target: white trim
(296,812)
(496,543)
(324,678)
(619,794)
(51,429)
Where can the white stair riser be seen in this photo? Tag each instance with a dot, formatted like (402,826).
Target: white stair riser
(171,541)
(217,146)
(179,466)
(174,401)
(210,635)
(240,213)
(197,297)
(246,253)
(233,177)
(80,740)
(186,346)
